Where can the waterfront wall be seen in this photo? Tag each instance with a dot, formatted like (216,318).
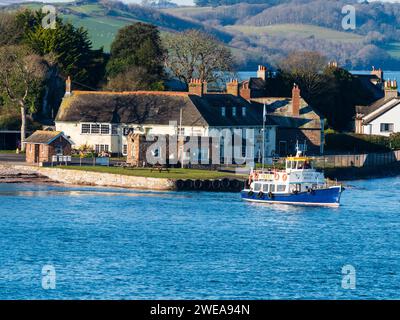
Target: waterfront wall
(358,160)
(95,178)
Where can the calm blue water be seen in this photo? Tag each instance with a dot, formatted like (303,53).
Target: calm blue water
(116,243)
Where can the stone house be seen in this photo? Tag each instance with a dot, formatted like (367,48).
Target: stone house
(173,150)
(296,120)
(42,145)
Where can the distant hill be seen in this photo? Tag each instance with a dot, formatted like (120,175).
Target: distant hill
(104,18)
(259,31)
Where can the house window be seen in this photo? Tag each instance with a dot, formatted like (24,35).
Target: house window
(114,129)
(101,147)
(223,111)
(105,129)
(85,128)
(243,111)
(234,111)
(387,127)
(125,149)
(95,128)
(181,131)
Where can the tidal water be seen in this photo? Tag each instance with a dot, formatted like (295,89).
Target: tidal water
(124,244)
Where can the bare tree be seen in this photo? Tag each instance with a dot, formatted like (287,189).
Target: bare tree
(10,31)
(306,69)
(20,75)
(132,79)
(195,54)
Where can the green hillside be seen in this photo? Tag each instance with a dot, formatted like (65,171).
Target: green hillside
(230,24)
(301,30)
(104,20)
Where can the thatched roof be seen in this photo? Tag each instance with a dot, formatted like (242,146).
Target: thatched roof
(147,107)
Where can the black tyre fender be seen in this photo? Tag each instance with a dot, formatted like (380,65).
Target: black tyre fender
(198,184)
(189,184)
(216,184)
(260,195)
(225,183)
(180,184)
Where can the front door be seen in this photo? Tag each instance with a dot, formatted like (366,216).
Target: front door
(37,153)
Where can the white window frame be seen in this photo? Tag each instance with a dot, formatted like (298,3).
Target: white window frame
(97,128)
(106,128)
(88,128)
(389,125)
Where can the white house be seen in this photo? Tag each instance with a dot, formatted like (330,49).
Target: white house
(103,120)
(381,117)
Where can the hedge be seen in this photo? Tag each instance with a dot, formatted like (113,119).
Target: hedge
(360,143)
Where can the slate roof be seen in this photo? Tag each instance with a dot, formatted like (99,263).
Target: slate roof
(152,107)
(43,137)
(377,109)
(279,109)
(366,82)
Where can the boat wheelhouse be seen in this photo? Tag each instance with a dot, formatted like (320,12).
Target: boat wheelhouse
(299,183)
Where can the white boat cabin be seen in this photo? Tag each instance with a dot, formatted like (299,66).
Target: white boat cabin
(298,176)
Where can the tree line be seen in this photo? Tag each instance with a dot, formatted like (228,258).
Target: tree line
(37,60)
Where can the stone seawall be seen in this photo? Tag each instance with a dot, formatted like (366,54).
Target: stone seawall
(79,177)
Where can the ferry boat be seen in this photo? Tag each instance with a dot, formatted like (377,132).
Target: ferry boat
(298,184)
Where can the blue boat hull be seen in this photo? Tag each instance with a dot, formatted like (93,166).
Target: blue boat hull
(320,197)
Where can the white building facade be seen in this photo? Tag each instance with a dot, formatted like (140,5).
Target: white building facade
(82,114)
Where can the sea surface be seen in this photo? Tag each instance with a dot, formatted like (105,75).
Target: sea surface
(105,243)
(392,75)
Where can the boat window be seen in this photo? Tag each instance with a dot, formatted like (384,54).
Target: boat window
(300,165)
(272,189)
(257,186)
(281,188)
(307,165)
(265,188)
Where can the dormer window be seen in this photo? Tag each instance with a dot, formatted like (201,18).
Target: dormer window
(243,111)
(223,111)
(234,111)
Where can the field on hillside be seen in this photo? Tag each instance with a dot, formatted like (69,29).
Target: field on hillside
(393,49)
(298,30)
(102,30)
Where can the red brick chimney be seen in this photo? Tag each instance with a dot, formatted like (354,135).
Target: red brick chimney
(391,89)
(295,101)
(377,72)
(245,91)
(232,87)
(68,86)
(198,87)
(262,72)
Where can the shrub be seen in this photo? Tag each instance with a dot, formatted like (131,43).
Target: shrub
(395,140)
(357,143)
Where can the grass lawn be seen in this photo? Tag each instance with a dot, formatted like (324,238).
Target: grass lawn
(7,151)
(299,30)
(145,172)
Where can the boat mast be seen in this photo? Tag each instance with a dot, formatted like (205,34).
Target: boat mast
(263,140)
